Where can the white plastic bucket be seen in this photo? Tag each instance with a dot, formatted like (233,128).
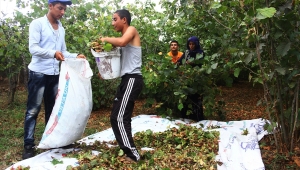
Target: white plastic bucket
(108,63)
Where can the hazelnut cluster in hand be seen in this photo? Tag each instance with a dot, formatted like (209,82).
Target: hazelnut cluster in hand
(100,46)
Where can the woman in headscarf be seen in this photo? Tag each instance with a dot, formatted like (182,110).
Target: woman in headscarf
(193,49)
(194,52)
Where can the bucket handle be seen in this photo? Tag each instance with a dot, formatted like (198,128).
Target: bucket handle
(108,57)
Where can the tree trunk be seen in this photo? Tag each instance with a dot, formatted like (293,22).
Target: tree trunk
(12,88)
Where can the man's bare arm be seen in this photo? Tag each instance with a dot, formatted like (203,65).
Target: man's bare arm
(127,38)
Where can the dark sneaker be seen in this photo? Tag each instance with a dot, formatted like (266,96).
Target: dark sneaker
(28,152)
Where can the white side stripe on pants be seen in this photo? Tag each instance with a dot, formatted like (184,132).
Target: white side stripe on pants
(120,117)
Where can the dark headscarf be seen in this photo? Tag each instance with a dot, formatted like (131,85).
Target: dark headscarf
(195,40)
(191,53)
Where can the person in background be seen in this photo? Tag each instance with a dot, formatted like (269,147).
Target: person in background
(131,82)
(174,51)
(194,52)
(47,47)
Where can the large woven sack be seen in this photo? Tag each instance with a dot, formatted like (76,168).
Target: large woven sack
(73,105)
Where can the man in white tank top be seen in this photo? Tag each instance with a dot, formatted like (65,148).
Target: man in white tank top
(131,83)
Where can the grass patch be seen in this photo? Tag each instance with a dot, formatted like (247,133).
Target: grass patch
(12,128)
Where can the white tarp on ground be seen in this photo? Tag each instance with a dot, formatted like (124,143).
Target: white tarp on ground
(236,151)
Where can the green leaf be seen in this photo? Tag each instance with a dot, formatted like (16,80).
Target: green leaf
(209,135)
(237,72)
(292,84)
(280,70)
(263,13)
(107,47)
(208,71)
(121,152)
(278,35)
(55,161)
(94,163)
(214,66)
(271,75)
(283,48)
(69,167)
(249,77)
(180,106)
(149,132)
(259,102)
(199,56)
(237,62)
(249,58)
(216,5)
(150,100)
(178,147)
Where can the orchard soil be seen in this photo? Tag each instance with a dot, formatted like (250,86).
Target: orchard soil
(240,104)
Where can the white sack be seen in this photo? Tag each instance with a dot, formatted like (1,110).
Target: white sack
(73,105)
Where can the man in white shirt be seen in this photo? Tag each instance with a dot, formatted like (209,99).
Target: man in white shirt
(47,47)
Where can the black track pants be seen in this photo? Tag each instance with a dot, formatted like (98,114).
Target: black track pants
(128,91)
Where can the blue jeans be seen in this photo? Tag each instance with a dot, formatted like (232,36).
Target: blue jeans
(40,86)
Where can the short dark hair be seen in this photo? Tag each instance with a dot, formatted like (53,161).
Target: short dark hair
(124,13)
(174,41)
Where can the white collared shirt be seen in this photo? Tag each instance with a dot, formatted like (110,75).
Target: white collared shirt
(44,41)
